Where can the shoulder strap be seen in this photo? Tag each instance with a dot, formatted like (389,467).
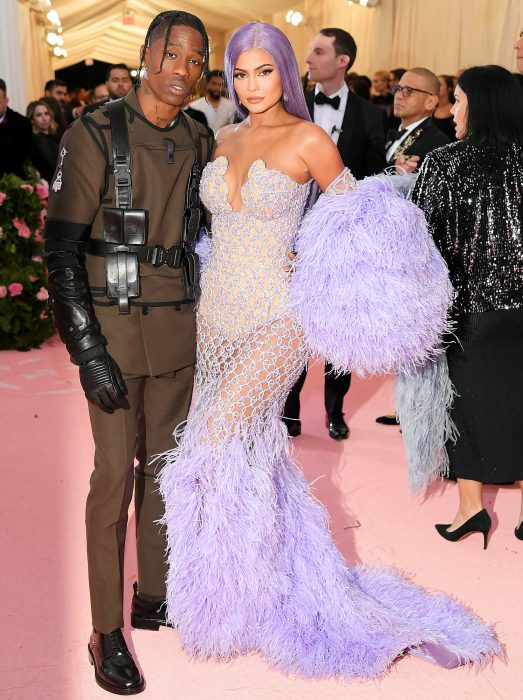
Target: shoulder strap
(121,153)
(196,137)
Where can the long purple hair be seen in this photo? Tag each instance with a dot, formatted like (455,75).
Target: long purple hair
(259,35)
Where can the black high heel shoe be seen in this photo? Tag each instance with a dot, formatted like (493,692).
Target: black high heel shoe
(480,522)
(519,531)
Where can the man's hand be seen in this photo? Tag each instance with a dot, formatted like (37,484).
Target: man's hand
(103,383)
(406,164)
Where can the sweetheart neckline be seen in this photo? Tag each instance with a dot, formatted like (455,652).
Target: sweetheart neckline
(246,181)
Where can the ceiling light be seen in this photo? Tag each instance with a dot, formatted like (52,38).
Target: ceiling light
(52,16)
(295,18)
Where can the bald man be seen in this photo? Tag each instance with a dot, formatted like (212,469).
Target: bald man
(415,99)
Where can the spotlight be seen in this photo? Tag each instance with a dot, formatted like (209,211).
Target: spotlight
(293,17)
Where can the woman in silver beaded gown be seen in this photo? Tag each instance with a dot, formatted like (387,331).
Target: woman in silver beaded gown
(472,195)
(252,566)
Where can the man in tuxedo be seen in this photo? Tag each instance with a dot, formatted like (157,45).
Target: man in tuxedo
(15,137)
(415,99)
(357,127)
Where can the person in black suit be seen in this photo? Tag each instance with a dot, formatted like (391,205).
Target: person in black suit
(15,137)
(357,127)
(415,99)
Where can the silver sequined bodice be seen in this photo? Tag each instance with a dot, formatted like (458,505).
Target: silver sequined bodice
(244,283)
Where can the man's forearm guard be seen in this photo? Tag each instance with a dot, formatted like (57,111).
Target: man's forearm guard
(70,300)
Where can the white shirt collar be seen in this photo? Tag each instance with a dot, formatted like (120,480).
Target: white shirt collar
(412,126)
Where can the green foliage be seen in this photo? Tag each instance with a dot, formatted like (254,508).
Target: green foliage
(24,315)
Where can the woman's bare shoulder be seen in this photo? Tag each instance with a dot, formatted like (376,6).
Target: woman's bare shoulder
(312,132)
(227,132)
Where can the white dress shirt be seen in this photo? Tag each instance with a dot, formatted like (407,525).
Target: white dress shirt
(404,133)
(216,117)
(328,118)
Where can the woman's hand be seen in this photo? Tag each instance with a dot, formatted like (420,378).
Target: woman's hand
(291,256)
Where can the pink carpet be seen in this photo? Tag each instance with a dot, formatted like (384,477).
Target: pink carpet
(46,463)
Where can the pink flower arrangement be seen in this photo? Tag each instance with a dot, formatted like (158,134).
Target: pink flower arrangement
(15,289)
(1,232)
(22,227)
(3,196)
(43,294)
(3,291)
(42,189)
(27,187)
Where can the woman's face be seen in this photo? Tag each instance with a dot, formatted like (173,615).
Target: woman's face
(257,80)
(459,110)
(41,118)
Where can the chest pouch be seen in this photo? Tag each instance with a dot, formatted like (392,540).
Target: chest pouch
(123,228)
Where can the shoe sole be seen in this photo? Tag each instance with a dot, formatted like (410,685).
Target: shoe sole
(146,623)
(110,688)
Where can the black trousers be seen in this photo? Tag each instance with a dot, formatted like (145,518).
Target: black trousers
(335,389)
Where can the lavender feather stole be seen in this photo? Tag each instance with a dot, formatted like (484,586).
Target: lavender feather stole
(252,567)
(369,287)
(423,400)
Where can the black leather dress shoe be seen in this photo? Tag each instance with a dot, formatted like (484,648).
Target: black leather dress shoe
(389,419)
(338,429)
(114,667)
(293,426)
(146,615)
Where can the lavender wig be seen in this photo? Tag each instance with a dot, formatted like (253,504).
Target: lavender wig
(259,35)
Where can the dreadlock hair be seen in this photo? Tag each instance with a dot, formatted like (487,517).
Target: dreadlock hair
(162,24)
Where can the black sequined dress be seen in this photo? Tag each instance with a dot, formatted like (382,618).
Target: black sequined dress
(472,197)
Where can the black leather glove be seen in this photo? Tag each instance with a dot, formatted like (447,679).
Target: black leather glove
(103,383)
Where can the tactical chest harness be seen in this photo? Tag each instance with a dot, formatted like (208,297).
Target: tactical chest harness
(125,230)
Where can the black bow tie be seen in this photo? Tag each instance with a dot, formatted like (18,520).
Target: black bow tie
(321,99)
(395,134)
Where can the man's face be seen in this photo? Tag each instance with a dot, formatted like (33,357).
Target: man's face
(4,101)
(418,104)
(322,63)
(101,93)
(59,93)
(519,52)
(119,83)
(214,87)
(182,65)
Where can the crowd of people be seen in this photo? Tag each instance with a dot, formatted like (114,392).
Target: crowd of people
(251,565)
(53,113)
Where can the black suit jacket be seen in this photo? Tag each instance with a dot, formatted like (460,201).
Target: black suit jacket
(15,143)
(362,139)
(428,138)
